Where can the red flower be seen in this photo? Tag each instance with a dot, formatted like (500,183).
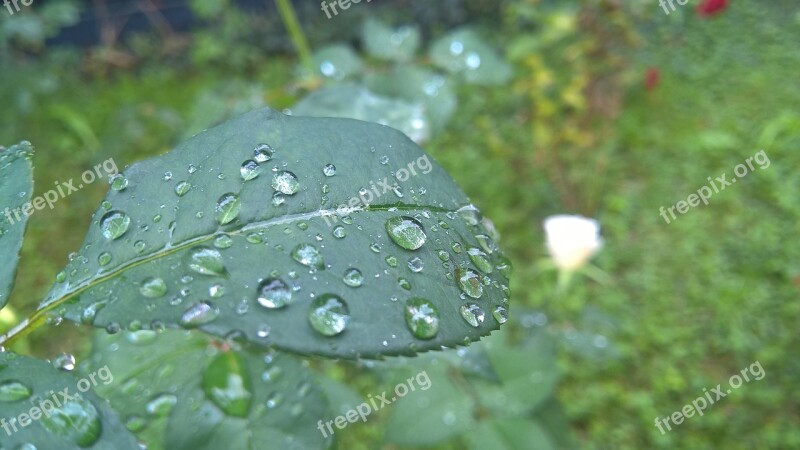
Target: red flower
(651,78)
(712,7)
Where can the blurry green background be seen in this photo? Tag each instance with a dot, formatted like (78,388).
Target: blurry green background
(604,108)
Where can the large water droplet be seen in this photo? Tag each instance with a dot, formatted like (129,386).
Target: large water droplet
(353,277)
(182,188)
(500,314)
(422,318)
(75,421)
(471,214)
(329,315)
(406,232)
(274,293)
(207,261)
(226,382)
(199,314)
(228,208)
(12,391)
(481,261)
(249,170)
(308,255)
(285,182)
(114,224)
(263,153)
(153,288)
(470,282)
(472,313)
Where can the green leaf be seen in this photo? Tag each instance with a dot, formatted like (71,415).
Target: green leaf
(281,273)
(337,61)
(424,418)
(49,408)
(179,391)
(16,189)
(383,42)
(348,100)
(509,434)
(464,52)
(416,85)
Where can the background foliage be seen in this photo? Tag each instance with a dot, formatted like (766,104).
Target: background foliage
(573,129)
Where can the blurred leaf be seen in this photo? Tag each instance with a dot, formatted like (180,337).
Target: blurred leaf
(465,53)
(427,417)
(209,9)
(245,242)
(509,434)
(341,397)
(16,189)
(417,85)
(337,62)
(355,102)
(383,42)
(74,420)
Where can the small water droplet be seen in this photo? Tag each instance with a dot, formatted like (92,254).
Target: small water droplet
(182,188)
(114,224)
(353,277)
(274,293)
(223,241)
(308,255)
(118,182)
(207,261)
(472,313)
(339,232)
(422,318)
(329,170)
(329,315)
(64,361)
(415,264)
(285,182)
(104,258)
(250,170)
(481,261)
(500,314)
(161,405)
(391,261)
(263,153)
(228,208)
(139,246)
(153,288)
(470,283)
(406,232)
(199,314)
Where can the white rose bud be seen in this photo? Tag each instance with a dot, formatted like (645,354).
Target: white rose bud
(572,240)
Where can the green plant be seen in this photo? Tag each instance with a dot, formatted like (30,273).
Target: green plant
(251,261)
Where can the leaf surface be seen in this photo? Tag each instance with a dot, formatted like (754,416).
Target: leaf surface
(16,189)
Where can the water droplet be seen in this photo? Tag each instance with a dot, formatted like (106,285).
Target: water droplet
(391,261)
(339,232)
(153,288)
(329,170)
(216,291)
(114,224)
(167,176)
(104,258)
(64,361)
(141,337)
(223,241)
(263,331)
(274,293)
(207,261)
(422,318)
(118,182)
(228,208)
(472,313)
(406,232)
(308,255)
(12,391)
(329,315)
(457,247)
(403,283)
(139,246)
(285,182)
(470,214)
(353,277)
(263,153)
(161,405)
(384,160)
(470,282)
(415,264)
(76,421)
(274,400)
(249,170)
(278,199)
(226,382)
(481,261)
(182,188)
(199,314)
(500,314)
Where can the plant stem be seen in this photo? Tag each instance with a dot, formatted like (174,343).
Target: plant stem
(289,17)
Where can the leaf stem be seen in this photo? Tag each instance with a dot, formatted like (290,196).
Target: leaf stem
(299,40)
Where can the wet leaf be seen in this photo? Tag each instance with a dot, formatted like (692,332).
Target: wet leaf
(16,190)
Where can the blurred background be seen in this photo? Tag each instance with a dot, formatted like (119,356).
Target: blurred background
(603,108)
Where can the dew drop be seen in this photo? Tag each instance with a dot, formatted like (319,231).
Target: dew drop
(199,314)
(470,282)
(329,315)
(285,182)
(422,318)
(472,313)
(64,361)
(481,261)
(249,170)
(228,207)
(500,314)
(104,258)
(118,182)
(207,261)
(308,255)
(12,391)
(274,293)
(339,232)
(153,288)
(353,277)
(223,241)
(263,153)
(329,170)
(406,232)
(415,264)
(76,421)
(161,405)
(114,224)
(226,382)
(182,188)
